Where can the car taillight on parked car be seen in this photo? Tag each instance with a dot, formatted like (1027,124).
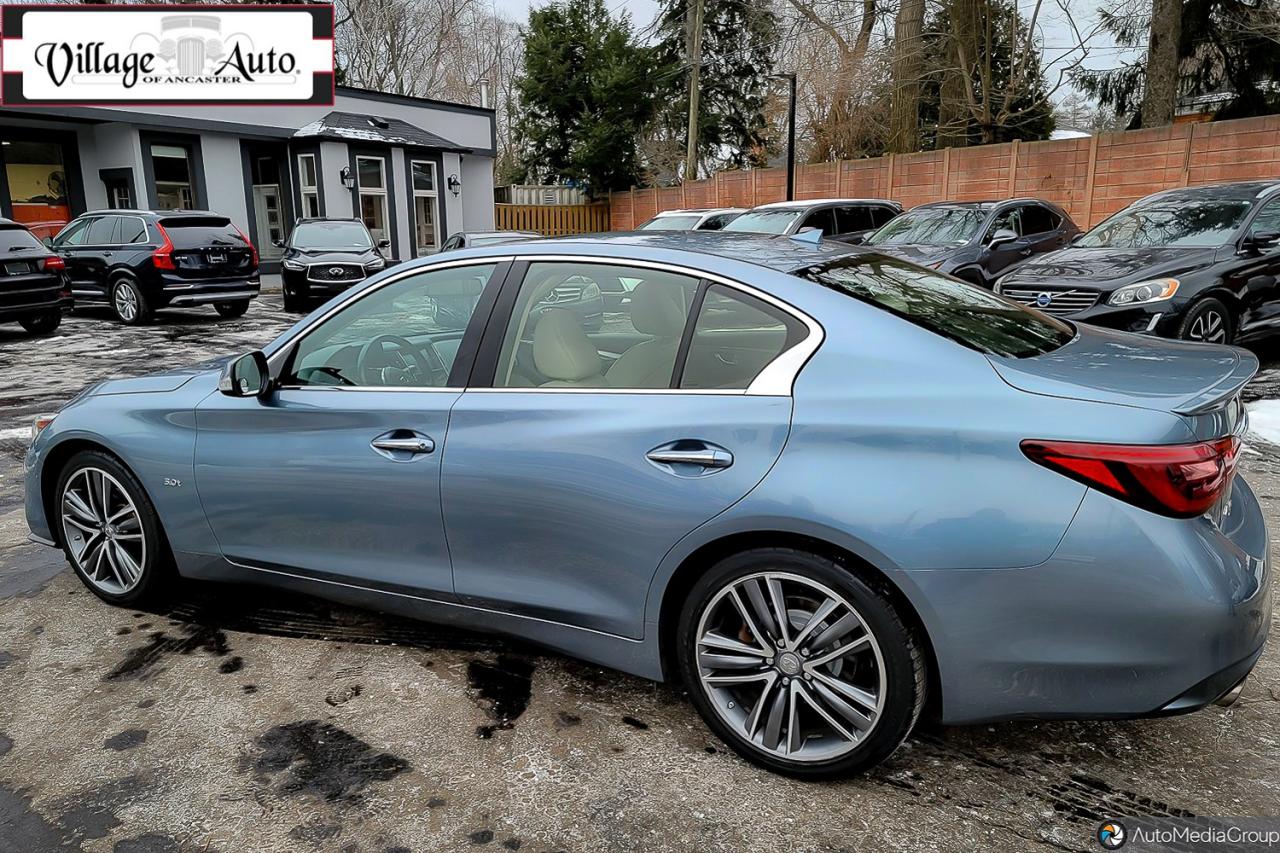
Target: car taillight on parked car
(1180,480)
(53,263)
(248,243)
(162,258)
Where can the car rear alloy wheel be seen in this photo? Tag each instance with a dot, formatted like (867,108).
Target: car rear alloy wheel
(103,531)
(109,529)
(799,665)
(129,304)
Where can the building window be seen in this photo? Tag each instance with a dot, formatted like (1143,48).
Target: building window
(309,185)
(37,185)
(426,206)
(372,176)
(172,167)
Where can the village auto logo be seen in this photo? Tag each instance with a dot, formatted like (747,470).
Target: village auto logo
(167,55)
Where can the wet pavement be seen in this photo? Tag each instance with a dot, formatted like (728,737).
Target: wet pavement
(238,720)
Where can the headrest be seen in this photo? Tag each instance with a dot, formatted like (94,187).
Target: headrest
(561,350)
(656,309)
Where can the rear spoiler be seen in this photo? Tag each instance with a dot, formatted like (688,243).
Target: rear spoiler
(1222,391)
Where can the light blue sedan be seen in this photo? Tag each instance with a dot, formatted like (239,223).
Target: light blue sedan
(825,488)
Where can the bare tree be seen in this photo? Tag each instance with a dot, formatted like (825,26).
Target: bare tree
(908,68)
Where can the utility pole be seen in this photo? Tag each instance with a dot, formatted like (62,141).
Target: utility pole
(693,47)
(791,134)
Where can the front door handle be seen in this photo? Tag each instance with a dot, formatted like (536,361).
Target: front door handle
(402,445)
(690,458)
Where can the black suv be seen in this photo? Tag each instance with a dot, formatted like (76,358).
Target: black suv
(326,256)
(977,241)
(33,291)
(136,261)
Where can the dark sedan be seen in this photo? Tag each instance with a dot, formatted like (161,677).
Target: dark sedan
(326,256)
(977,240)
(1198,263)
(33,288)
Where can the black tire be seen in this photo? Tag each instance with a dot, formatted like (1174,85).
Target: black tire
(1203,318)
(901,651)
(42,324)
(129,303)
(156,562)
(231,309)
(294,303)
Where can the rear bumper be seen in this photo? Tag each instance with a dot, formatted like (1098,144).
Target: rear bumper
(28,309)
(204,293)
(1134,615)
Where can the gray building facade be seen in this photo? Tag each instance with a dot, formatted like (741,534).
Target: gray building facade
(414,169)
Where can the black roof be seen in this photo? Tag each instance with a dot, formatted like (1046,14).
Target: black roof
(356,127)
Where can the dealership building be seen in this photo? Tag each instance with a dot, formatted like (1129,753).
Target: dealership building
(415,170)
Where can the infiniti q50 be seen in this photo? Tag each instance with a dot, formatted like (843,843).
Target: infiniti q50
(826,489)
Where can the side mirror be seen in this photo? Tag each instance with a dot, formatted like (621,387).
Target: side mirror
(1261,241)
(384,243)
(246,376)
(48,242)
(1079,235)
(1002,236)
(856,239)
(278,243)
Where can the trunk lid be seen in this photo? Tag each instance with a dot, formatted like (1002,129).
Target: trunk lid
(208,247)
(1106,366)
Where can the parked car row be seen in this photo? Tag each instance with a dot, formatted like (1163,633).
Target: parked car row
(1197,263)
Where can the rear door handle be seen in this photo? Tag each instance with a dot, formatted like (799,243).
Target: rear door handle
(402,445)
(690,457)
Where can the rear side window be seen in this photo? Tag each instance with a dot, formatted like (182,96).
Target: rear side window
(102,232)
(18,240)
(734,338)
(962,312)
(131,229)
(189,232)
(853,219)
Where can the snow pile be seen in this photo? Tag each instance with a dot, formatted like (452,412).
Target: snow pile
(1264,420)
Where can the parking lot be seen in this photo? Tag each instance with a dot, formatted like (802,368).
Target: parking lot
(237,719)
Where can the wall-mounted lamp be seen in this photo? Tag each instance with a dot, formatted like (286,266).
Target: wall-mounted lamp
(348,179)
(455,185)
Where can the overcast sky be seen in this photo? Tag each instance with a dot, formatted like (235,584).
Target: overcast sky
(1058,35)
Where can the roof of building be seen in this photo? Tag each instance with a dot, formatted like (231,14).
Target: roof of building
(370,128)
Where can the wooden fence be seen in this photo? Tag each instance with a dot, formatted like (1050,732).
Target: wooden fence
(552,220)
(1091,178)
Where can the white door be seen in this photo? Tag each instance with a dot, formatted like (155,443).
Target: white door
(268,227)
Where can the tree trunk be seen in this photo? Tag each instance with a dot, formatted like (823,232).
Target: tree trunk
(693,47)
(908,62)
(1160,91)
(959,75)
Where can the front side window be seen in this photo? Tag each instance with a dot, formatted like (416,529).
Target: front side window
(1169,222)
(426,207)
(930,226)
(372,181)
(309,185)
(824,220)
(73,234)
(560,335)
(734,338)
(967,314)
(1268,219)
(1038,220)
(850,219)
(1010,220)
(403,335)
(764,221)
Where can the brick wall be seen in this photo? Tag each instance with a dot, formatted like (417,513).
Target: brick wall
(1090,178)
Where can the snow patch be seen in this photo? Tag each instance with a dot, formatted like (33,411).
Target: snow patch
(1264,420)
(18,432)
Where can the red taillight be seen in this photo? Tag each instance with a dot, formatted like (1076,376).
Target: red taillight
(248,242)
(1182,480)
(162,258)
(53,263)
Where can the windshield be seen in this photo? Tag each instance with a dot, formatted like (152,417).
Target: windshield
(331,235)
(18,240)
(931,226)
(764,221)
(670,223)
(965,313)
(1169,223)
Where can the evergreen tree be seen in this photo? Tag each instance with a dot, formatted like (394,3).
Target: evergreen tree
(1225,46)
(585,93)
(738,42)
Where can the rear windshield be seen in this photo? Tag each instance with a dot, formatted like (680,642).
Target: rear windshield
(331,235)
(764,221)
(18,240)
(1168,222)
(196,231)
(670,223)
(954,309)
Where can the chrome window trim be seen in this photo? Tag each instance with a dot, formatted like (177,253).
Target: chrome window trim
(775,380)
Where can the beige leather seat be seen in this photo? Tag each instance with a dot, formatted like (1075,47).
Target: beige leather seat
(658,310)
(563,352)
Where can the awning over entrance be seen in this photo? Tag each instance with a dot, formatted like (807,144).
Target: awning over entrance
(354,127)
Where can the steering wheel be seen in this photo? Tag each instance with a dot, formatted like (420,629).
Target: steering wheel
(405,364)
